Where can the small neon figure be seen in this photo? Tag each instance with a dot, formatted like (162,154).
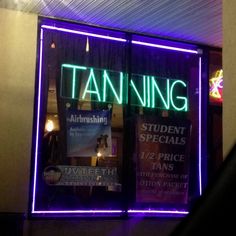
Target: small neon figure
(216,85)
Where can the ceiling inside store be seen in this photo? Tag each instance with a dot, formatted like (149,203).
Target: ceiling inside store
(196,21)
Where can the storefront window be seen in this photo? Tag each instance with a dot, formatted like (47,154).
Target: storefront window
(117,123)
(166,145)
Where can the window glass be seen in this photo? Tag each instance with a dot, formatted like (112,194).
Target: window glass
(117,123)
(166,142)
(80,123)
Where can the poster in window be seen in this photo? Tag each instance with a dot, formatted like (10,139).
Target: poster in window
(162,160)
(88,133)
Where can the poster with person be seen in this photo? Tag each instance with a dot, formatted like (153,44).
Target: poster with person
(162,174)
(88,133)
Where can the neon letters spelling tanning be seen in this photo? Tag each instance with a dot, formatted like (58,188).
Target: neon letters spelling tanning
(100,85)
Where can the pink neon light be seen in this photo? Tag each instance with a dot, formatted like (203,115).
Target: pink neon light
(38,117)
(82,33)
(164,47)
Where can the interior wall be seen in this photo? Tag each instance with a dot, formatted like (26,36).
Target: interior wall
(17,76)
(229,94)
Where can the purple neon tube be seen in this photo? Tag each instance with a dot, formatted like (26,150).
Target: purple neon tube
(38,116)
(164,47)
(199,127)
(82,33)
(158,211)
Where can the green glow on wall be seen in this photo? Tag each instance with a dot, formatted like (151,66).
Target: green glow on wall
(93,80)
(146,91)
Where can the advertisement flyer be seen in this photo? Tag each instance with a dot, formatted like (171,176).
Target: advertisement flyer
(80,176)
(88,133)
(162,160)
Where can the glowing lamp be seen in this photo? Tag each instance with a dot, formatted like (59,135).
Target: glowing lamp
(49,126)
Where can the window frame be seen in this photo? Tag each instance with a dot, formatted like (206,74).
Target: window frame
(49,24)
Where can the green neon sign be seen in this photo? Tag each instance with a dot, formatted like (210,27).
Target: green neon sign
(91,81)
(90,84)
(107,81)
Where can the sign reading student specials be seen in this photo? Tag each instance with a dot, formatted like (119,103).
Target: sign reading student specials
(88,133)
(162,160)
